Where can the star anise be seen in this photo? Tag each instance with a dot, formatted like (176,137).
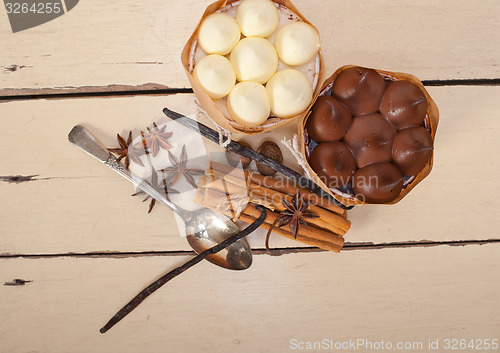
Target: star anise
(179,168)
(159,185)
(127,151)
(295,213)
(155,139)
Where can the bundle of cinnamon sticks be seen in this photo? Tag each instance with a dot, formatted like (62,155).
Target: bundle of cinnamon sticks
(235,193)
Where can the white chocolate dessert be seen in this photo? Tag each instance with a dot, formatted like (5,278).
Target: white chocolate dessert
(257,18)
(216,75)
(218,34)
(289,93)
(254,61)
(297,43)
(248,103)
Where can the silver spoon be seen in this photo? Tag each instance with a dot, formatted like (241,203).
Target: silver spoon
(204,228)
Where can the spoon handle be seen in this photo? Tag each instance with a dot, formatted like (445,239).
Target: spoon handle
(82,138)
(237,148)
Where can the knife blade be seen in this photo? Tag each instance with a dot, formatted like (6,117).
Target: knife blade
(244,151)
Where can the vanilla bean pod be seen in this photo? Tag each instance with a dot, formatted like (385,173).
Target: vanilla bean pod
(237,148)
(139,298)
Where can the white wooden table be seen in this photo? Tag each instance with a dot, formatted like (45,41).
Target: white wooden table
(425,269)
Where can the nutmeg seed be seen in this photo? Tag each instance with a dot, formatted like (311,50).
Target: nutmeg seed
(271,150)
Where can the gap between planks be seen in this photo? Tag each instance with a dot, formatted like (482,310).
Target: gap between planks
(151,89)
(259,251)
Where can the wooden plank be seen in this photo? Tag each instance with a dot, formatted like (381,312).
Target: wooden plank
(76,201)
(395,295)
(140,48)
(77,205)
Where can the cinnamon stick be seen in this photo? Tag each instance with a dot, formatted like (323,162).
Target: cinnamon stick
(289,189)
(222,185)
(302,238)
(228,173)
(272,200)
(283,186)
(311,235)
(311,232)
(327,219)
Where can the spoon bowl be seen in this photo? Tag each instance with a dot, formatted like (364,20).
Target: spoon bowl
(205,228)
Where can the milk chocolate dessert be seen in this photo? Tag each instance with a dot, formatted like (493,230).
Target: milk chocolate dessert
(329,120)
(368,135)
(412,149)
(334,163)
(360,89)
(378,182)
(370,139)
(404,104)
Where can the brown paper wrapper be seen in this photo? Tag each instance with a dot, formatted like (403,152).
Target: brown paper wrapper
(431,123)
(209,105)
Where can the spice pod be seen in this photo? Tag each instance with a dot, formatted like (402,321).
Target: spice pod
(365,121)
(216,107)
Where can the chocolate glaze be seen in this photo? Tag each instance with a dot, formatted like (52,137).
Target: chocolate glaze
(404,104)
(334,163)
(370,139)
(412,149)
(378,183)
(360,89)
(329,120)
